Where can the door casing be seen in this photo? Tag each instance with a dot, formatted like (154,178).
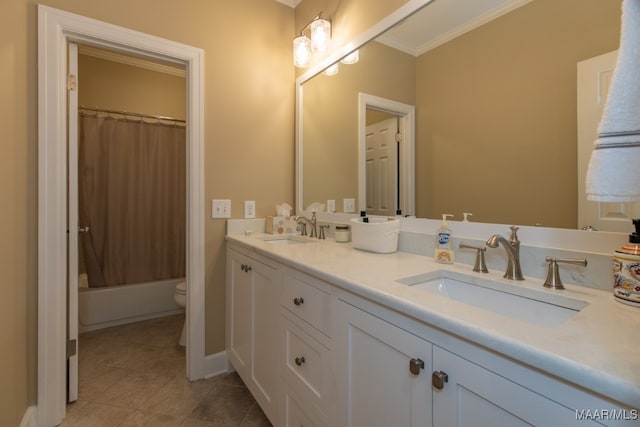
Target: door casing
(56,29)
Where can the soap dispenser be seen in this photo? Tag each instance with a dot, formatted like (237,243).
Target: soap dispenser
(444,252)
(626,269)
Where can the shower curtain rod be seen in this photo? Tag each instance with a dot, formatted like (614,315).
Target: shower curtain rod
(126,113)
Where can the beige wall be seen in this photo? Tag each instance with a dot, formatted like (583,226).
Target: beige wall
(331,119)
(113,85)
(496,108)
(249,101)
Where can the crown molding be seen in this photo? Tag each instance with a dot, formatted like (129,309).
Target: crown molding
(290,3)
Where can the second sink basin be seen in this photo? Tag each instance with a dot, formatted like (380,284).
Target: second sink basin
(285,239)
(513,301)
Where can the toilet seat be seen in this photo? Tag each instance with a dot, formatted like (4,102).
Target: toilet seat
(181,288)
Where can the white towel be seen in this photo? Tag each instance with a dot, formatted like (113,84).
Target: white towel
(614,167)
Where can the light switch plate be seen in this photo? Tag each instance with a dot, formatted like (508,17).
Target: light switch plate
(349,205)
(220,208)
(331,205)
(249,208)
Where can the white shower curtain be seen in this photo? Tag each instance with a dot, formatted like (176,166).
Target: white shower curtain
(132,185)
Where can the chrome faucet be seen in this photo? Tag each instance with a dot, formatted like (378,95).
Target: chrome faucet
(512,246)
(312,222)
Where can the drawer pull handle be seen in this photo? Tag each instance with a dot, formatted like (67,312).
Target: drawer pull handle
(415,365)
(298,301)
(299,360)
(438,378)
(245,267)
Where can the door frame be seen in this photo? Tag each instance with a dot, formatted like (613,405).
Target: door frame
(407,175)
(55,29)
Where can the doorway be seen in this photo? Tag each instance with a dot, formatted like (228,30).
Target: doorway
(405,161)
(56,29)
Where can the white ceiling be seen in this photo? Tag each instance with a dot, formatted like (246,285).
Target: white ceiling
(443,20)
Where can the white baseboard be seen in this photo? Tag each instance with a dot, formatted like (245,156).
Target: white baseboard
(216,364)
(30,417)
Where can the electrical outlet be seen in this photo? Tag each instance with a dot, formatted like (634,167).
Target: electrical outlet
(220,208)
(331,205)
(249,208)
(349,205)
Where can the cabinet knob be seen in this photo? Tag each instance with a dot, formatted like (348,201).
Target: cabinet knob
(415,365)
(299,360)
(438,378)
(298,301)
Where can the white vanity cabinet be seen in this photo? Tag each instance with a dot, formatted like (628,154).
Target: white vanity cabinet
(384,372)
(315,353)
(253,292)
(393,370)
(306,350)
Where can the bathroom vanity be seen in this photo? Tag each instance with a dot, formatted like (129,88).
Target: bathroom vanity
(324,334)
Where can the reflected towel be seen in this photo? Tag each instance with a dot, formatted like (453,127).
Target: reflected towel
(614,167)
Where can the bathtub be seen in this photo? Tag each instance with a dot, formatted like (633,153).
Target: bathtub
(116,305)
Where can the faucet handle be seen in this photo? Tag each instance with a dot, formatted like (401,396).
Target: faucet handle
(514,234)
(553,273)
(480,265)
(303,228)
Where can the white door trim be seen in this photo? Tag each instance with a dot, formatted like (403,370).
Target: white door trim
(55,29)
(407,114)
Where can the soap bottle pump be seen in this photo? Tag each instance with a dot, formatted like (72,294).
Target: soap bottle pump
(626,269)
(443,252)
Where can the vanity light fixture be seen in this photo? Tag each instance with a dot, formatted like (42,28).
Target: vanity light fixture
(614,175)
(332,70)
(317,43)
(352,58)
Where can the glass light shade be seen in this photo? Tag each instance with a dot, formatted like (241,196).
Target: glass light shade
(320,35)
(352,58)
(301,51)
(332,70)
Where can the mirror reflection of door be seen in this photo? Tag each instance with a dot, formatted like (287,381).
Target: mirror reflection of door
(382,167)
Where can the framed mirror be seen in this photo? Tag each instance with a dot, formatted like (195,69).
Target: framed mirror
(494,86)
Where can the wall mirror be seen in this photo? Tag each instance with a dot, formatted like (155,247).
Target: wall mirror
(494,87)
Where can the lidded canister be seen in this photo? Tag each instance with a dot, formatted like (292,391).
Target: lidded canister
(626,269)
(342,233)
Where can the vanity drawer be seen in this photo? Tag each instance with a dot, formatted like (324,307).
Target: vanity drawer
(308,298)
(295,414)
(305,365)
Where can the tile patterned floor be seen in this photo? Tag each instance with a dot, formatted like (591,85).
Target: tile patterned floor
(134,375)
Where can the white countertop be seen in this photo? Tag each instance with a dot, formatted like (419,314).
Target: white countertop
(598,348)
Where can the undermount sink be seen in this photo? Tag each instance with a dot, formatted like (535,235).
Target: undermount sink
(511,300)
(286,239)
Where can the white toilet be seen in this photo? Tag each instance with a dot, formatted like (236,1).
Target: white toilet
(180,296)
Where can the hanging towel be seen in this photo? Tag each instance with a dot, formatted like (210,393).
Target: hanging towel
(614,167)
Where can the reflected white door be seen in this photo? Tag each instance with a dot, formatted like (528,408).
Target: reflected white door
(72,227)
(382,167)
(594,77)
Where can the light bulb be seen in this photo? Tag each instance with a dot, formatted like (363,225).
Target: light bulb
(332,70)
(320,35)
(301,51)
(352,58)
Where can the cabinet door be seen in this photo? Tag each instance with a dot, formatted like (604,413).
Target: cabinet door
(253,308)
(375,385)
(474,396)
(238,313)
(265,304)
